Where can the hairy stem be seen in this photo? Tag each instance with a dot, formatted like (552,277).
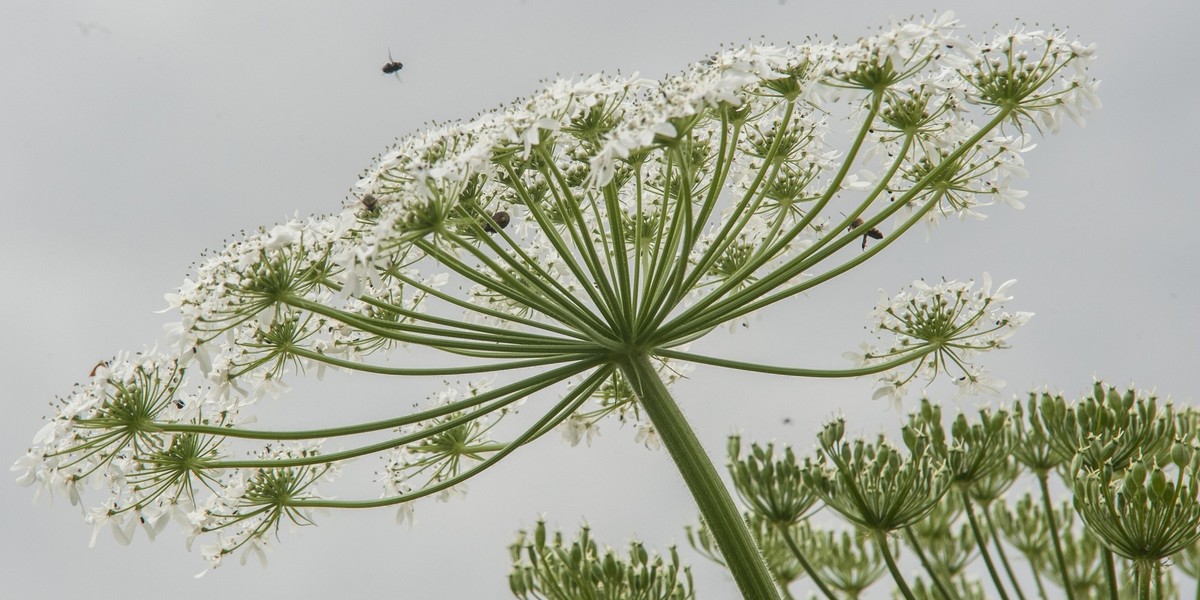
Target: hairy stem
(881,540)
(1110,573)
(742,556)
(1142,573)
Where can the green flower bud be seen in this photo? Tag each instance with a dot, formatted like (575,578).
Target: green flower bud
(1181,454)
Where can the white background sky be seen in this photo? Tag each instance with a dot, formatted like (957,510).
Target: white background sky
(133,135)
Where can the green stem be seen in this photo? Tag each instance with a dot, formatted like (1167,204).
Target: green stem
(1037,579)
(812,573)
(746,208)
(560,412)
(1142,573)
(987,517)
(469,307)
(502,396)
(458,342)
(933,576)
(700,307)
(1053,526)
(798,372)
(982,543)
(754,296)
(1110,573)
(435,372)
(581,236)
(881,540)
(743,558)
(1158,580)
(425,317)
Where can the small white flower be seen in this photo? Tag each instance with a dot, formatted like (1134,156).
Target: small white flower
(977,381)
(406,514)
(647,435)
(119,524)
(283,235)
(577,429)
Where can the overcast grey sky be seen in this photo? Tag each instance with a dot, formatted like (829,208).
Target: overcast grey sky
(133,135)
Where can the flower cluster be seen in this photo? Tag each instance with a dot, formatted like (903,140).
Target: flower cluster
(1131,513)
(594,230)
(548,568)
(945,324)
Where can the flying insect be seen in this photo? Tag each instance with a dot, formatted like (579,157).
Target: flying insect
(393,66)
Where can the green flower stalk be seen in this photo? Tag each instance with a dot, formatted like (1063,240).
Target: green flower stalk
(845,562)
(1036,450)
(562,253)
(945,551)
(1107,429)
(1084,557)
(973,452)
(552,569)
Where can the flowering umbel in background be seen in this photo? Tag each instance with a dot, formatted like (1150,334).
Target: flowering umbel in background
(596,228)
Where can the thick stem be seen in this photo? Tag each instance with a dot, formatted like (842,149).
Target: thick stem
(1143,572)
(743,558)
(1053,526)
(1110,573)
(1158,580)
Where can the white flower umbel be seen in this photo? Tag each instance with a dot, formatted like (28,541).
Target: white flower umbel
(570,245)
(954,321)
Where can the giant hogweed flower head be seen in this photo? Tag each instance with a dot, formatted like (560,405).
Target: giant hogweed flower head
(596,227)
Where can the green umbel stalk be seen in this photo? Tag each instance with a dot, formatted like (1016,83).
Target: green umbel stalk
(982,544)
(1058,553)
(742,556)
